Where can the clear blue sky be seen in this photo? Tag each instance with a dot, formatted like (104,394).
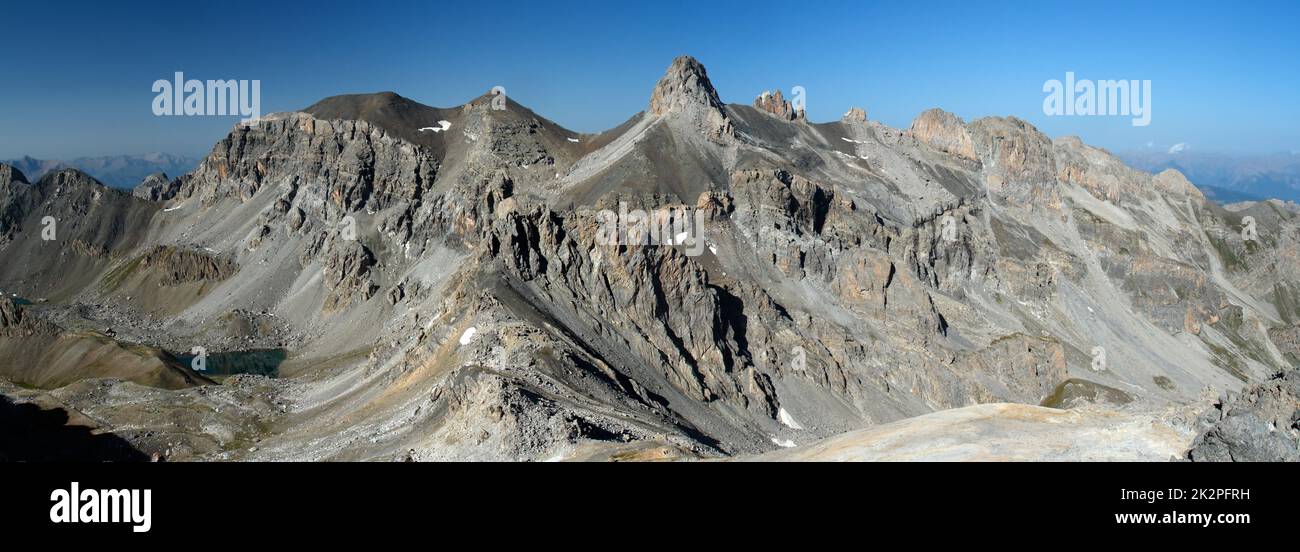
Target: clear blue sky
(77,75)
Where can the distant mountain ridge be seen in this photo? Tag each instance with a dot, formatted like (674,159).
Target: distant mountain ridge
(118,171)
(1228,178)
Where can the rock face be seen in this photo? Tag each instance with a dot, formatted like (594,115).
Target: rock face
(943,131)
(347,271)
(346,165)
(1018,160)
(460,294)
(1262,424)
(176,266)
(10,315)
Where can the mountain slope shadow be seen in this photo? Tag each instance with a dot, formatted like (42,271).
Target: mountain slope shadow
(29,433)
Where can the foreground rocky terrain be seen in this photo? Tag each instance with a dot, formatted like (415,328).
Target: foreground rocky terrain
(374,279)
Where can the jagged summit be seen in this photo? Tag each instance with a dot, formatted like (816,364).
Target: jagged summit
(854,115)
(685,83)
(685,90)
(776,104)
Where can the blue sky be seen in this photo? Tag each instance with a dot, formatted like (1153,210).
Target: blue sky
(77,76)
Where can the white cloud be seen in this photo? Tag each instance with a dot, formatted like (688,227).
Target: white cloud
(1176,148)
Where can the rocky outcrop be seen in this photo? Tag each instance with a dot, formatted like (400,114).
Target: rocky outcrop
(517,143)
(1262,424)
(776,105)
(156,187)
(855,115)
(943,131)
(176,265)
(10,314)
(347,274)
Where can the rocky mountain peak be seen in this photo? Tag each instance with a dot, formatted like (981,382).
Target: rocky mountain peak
(685,83)
(156,187)
(685,88)
(395,114)
(71,178)
(854,115)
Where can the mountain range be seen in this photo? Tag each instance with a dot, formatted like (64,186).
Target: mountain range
(375,279)
(118,171)
(1227,178)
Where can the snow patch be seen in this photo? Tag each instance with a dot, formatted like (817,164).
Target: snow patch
(783,443)
(442,125)
(787,419)
(468,336)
